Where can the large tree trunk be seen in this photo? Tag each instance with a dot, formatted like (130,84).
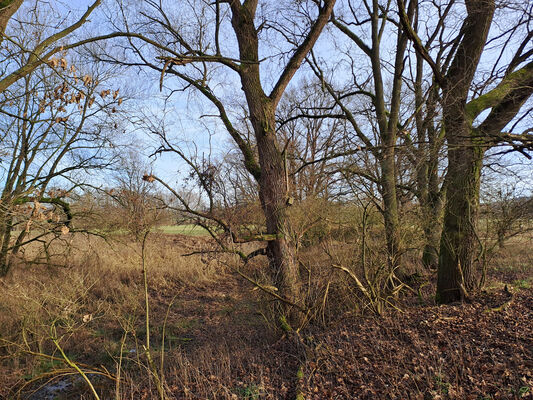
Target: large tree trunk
(456,274)
(273,195)
(272,180)
(390,206)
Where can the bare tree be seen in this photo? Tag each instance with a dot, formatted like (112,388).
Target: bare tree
(313,140)
(467,133)
(507,213)
(375,94)
(57,124)
(188,53)
(135,207)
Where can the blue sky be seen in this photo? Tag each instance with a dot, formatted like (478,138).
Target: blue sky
(190,119)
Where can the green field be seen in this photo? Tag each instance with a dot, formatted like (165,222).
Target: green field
(190,230)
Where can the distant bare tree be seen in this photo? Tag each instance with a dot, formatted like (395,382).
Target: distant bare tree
(506,214)
(138,208)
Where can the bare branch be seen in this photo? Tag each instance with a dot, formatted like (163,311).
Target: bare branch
(301,52)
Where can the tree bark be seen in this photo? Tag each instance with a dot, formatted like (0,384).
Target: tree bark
(430,198)
(456,273)
(272,179)
(465,157)
(390,205)
(273,196)
(5,239)
(7,9)
(466,147)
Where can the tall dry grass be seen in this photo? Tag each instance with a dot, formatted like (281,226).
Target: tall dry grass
(87,295)
(85,298)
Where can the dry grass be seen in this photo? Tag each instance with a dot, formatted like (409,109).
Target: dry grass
(512,264)
(216,344)
(93,299)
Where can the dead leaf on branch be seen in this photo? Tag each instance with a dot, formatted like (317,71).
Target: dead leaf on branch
(148,178)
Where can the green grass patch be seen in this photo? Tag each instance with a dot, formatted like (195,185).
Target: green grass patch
(522,284)
(44,367)
(249,392)
(189,230)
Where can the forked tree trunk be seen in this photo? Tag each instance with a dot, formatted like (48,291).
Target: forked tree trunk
(272,180)
(466,147)
(269,171)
